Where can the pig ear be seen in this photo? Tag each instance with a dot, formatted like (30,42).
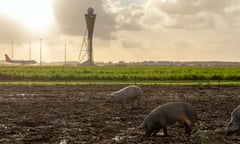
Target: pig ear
(111,97)
(108,97)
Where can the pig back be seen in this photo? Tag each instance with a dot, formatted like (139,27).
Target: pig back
(129,92)
(176,111)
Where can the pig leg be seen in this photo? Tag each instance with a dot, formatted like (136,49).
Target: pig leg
(138,102)
(132,103)
(229,133)
(123,104)
(188,129)
(149,132)
(156,131)
(165,131)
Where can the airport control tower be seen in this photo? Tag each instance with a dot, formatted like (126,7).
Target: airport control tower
(90,20)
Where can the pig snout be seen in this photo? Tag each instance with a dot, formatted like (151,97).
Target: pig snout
(232,128)
(109,99)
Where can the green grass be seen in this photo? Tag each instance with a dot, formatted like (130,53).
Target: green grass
(119,82)
(119,74)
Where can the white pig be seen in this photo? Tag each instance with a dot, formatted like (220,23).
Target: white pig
(132,92)
(234,124)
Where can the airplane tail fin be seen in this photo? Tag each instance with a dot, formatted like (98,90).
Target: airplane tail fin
(7,58)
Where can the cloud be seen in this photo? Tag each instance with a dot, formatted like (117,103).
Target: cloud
(183,44)
(13,30)
(70,17)
(10,30)
(192,7)
(133,30)
(131,44)
(129,18)
(112,16)
(198,21)
(70,20)
(198,14)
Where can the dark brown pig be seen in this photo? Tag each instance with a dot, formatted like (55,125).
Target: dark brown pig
(234,124)
(167,114)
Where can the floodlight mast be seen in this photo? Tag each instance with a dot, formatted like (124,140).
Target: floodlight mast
(12,48)
(90,21)
(40,51)
(65,52)
(30,50)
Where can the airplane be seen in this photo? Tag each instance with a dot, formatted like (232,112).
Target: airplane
(23,62)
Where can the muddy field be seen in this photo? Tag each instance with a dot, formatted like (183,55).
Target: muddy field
(79,114)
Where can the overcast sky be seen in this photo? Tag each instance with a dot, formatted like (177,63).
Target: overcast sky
(125,30)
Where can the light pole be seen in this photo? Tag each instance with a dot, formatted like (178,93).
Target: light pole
(65,52)
(30,50)
(12,48)
(40,51)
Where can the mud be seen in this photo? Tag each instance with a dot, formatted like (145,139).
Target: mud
(79,114)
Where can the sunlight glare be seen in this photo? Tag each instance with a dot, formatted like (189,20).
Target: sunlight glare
(36,15)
